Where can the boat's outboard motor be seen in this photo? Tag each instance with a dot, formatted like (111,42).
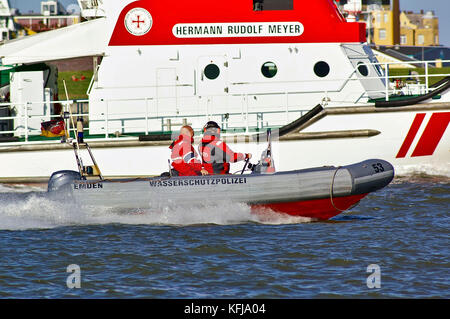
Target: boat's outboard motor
(62,180)
(265,164)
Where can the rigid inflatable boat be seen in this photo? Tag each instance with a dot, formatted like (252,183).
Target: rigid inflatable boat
(319,193)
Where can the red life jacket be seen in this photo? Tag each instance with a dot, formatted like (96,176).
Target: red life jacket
(184,157)
(216,155)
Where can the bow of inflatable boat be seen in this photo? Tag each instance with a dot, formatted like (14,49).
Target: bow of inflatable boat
(365,177)
(371,175)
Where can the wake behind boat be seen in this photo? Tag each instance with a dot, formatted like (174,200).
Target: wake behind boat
(318,193)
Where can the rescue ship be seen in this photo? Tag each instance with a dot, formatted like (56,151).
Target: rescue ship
(301,70)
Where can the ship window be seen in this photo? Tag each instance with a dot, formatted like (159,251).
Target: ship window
(321,69)
(212,71)
(362,69)
(269,69)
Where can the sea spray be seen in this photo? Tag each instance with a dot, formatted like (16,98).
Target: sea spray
(36,210)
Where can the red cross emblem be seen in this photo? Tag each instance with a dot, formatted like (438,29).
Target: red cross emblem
(138,21)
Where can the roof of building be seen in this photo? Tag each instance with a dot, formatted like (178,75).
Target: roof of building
(418,18)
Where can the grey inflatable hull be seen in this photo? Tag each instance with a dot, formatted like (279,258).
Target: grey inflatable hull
(319,193)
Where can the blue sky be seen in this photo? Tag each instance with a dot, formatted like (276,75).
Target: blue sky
(26,5)
(440,7)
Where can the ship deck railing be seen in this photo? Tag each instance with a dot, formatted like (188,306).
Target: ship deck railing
(419,84)
(413,78)
(27,134)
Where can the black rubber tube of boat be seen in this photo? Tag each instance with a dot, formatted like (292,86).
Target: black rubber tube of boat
(441,87)
(293,125)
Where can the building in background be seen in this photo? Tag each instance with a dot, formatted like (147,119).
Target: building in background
(419,29)
(53,15)
(52,8)
(7,27)
(384,19)
(386,25)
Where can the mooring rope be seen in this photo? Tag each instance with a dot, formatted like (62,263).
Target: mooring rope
(331,190)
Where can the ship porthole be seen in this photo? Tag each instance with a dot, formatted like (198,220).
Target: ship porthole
(321,69)
(212,71)
(362,69)
(269,69)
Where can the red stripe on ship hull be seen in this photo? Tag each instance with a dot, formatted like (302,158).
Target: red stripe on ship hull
(432,135)
(411,135)
(321,209)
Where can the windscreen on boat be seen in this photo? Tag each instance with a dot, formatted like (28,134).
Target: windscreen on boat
(260,5)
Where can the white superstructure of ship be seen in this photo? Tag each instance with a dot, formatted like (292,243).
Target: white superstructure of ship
(304,70)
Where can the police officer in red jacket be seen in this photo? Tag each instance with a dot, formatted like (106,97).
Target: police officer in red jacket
(184,157)
(216,155)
